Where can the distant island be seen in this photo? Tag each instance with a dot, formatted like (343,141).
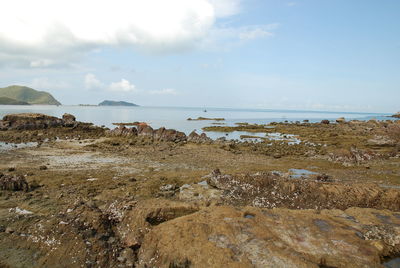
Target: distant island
(116,103)
(20,95)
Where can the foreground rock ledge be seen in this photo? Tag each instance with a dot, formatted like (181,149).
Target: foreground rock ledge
(251,237)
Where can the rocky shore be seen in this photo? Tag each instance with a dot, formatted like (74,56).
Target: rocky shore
(87,196)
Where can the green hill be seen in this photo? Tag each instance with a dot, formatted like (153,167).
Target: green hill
(28,95)
(9,101)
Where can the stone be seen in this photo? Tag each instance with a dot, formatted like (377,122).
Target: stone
(29,121)
(341,120)
(69,120)
(325,122)
(9,230)
(252,237)
(43,168)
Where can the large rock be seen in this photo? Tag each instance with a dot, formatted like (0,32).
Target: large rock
(341,120)
(145,130)
(261,238)
(123,131)
(28,121)
(269,190)
(196,138)
(69,120)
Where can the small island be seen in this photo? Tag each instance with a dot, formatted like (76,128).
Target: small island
(117,103)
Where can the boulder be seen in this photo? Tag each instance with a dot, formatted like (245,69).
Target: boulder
(196,138)
(145,130)
(69,120)
(325,122)
(341,120)
(123,131)
(262,238)
(28,121)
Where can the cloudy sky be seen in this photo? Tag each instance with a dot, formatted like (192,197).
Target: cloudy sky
(277,54)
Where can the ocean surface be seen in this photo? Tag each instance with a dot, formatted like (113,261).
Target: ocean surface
(176,117)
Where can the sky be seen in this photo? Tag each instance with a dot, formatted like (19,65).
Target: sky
(331,55)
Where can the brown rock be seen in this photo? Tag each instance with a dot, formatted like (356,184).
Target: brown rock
(145,216)
(325,122)
(251,237)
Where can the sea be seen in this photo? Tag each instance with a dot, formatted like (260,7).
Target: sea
(176,117)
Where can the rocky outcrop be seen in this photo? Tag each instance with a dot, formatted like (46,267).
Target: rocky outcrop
(325,122)
(196,138)
(160,134)
(123,131)
(272,190)
(13,183)
(253,237)
(36,121)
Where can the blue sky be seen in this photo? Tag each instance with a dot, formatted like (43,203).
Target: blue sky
(308,54)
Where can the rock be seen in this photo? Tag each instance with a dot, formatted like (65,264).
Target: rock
(123,131)
(341,120)
(142,218)
(43,168)
(69,120)
(9,230)
(270,190)
(196,138)
(11,169)
(251,237)
(29,121)
(127,256)
(325,122)
(145,130)
(13,183)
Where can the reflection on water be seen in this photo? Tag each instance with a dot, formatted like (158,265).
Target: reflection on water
(299,173)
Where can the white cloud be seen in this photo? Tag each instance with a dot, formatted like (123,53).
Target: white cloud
(166,91)
(45,33)
(124,86)
(91,82)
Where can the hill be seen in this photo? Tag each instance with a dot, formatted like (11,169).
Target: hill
(9,101)
(28,95)
(116,103)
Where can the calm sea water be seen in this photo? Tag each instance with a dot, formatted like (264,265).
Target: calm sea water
(176,117)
